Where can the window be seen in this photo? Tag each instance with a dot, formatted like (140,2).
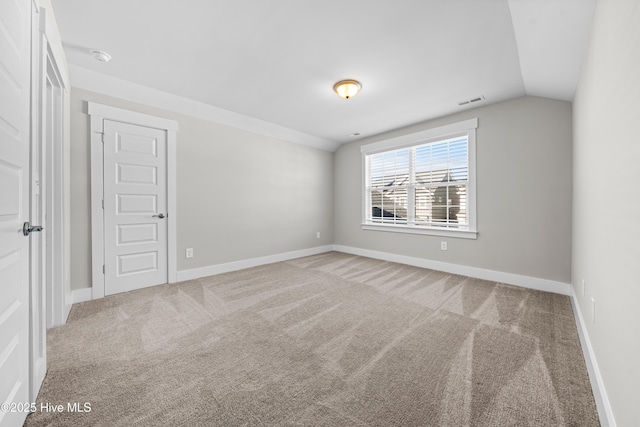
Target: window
(422,183)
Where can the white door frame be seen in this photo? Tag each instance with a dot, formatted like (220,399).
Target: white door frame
(55,209)
(98,114)
(47,294)
(37,207)
(47,68)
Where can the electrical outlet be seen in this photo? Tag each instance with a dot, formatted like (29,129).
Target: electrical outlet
(318,235)
(593,309)
(443,246)
(188,253)
(583,287)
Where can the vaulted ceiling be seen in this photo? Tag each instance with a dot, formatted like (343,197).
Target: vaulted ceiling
(277,61)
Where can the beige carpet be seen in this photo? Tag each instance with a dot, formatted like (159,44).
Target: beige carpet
(327,340)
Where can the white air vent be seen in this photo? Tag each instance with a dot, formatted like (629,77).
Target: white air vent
(472,100)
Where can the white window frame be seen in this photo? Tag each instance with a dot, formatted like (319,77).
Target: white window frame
(466,127)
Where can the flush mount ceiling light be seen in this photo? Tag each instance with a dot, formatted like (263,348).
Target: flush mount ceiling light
(347,88)
(100,55)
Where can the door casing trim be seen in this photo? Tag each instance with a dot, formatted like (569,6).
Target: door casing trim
(98,113)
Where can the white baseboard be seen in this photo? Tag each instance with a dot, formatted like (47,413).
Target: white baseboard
(597,385)
(81,295)
(463,270)
(212,270)
(68,303)
(85,294)
(74,297)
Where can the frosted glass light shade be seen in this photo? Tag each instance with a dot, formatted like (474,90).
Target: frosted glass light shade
(347,88)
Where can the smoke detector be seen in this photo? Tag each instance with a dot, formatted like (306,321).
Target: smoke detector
(100,55)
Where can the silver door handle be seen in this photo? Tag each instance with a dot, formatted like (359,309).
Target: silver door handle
(27,228)
(159,216)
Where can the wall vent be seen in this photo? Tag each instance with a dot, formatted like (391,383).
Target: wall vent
(472,100)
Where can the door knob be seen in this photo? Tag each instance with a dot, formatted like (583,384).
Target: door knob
(27,228)
(159,216)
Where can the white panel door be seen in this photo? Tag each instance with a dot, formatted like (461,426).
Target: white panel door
(135,207)
(14,206)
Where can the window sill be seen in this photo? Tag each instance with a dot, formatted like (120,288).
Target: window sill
(461,234)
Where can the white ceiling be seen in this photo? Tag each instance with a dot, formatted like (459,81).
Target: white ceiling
(277,60)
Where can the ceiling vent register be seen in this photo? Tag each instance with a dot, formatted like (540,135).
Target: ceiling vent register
(472,100)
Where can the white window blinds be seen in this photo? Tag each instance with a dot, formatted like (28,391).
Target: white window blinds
(424,185)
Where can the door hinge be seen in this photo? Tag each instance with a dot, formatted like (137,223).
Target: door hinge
(102,203)
(103,269)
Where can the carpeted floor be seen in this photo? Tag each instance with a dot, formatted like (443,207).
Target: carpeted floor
(326,340)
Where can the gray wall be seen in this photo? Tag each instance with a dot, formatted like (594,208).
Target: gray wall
(523,193)
(240,195)
(606,208)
